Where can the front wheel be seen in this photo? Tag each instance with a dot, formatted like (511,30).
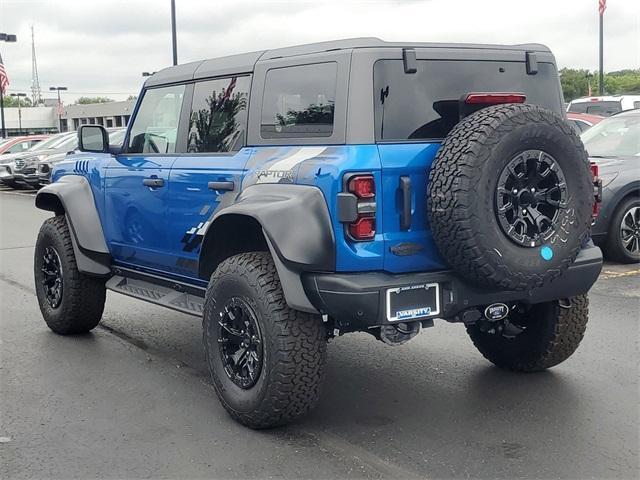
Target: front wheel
(266,359)
(70,301)
(536,338)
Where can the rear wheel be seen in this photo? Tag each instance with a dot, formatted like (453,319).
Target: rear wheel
(536,338)
(623,240)
(70,301)
(266,359)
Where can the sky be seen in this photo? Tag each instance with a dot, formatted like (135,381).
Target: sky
(101,47)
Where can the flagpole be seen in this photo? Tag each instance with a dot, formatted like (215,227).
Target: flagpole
(4,131)
(601,77)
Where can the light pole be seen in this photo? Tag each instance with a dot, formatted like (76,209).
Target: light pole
(173,32)
(18,95)
(4,37)
(58,89)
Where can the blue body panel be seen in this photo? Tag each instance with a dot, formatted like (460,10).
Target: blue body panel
(412,160)
(161,229)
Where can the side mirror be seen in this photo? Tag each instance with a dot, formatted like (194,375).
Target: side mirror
(93,138)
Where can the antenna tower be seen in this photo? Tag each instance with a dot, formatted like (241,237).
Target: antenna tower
(36,93)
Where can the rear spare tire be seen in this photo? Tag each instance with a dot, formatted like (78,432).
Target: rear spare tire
(510,197)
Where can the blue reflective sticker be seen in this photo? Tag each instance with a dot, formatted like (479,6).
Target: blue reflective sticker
(546,252)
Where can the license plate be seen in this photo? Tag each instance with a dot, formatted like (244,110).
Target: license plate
(412,302)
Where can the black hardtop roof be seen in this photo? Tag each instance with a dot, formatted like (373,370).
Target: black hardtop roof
(245,62)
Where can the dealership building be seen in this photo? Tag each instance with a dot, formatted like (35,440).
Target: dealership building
(47,119)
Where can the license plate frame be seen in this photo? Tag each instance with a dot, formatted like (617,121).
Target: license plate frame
(415,308)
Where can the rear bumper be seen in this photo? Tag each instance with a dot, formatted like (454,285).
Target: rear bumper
(357,301)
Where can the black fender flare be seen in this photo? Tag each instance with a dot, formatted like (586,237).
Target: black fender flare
(297,226)
(72,196)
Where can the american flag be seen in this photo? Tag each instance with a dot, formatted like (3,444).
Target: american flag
(602,6)
(229,89)
(4,78)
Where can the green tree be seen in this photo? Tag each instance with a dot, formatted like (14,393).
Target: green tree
(575,82)
(87,100)
(132,97)
(11,102)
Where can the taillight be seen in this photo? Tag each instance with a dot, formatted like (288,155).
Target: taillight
(362,186)
(494,98)
(597,190)
(363,229)
(361,226)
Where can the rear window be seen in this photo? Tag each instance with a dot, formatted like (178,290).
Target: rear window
(605,109)
(424,105)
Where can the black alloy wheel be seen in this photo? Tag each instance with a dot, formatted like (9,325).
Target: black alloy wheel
(530,195)
(240,343)
(52,280)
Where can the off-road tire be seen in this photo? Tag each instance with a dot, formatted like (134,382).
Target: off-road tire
(83,296)
(552,335)
(294,345)
(613,247)
(462,188)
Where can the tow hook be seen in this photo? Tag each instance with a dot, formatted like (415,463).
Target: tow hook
(564,303)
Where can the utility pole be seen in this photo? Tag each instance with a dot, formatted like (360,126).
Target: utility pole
(173,32)
(58,89)
(18,95)
(4,37)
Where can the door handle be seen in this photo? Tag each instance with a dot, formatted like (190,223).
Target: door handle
(405,216)
(222,185)
(153,182)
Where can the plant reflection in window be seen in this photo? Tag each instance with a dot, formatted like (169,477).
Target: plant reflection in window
(216,127)
(314,114)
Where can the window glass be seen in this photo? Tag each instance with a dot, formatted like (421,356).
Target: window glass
(18,147)
(615,136)
(425,104)
(605,109)
(218,115)
(155,126)
(299,101)
(116,137)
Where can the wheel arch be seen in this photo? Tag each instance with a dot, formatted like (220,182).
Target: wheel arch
(622,195)
(290,221)
(72,197)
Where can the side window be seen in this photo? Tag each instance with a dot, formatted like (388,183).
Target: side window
(155,126)
(299,102)
(218,115)
(18,147)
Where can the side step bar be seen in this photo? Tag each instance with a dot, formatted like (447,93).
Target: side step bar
(165,296)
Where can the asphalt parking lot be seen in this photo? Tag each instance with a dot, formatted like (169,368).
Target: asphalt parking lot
(133,398)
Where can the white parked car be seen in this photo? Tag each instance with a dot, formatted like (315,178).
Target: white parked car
(604,106)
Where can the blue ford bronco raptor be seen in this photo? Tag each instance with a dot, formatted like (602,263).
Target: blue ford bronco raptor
(287,196)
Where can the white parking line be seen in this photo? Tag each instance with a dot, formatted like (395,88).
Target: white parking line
(26,193)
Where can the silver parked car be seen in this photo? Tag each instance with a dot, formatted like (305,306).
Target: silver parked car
(42,175)
(14,165)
